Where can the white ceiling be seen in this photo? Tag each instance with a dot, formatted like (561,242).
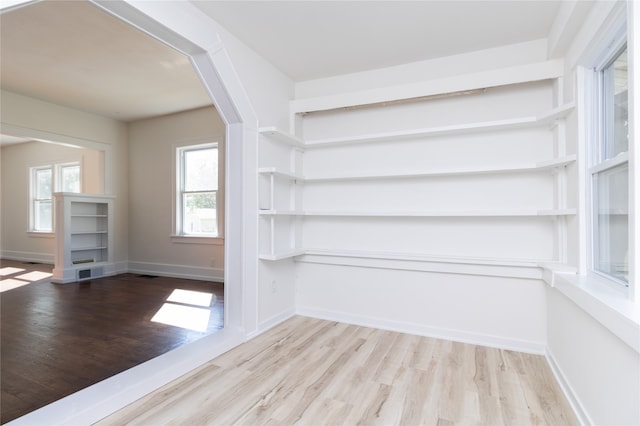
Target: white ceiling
(74,54)
(315,39)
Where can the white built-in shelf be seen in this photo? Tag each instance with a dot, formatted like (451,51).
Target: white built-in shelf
(280,136)
(87,232)
(88,248)
(434,213)
(512,123)
(494,261)
(274,171)
(543,166)
(84,244)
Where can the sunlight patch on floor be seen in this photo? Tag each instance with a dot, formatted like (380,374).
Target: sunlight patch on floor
(190,297)
(7,270)
(189,317)
(186,309)
(10,284)
(34,276)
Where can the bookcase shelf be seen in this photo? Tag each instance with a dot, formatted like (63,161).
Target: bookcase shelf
(84,243)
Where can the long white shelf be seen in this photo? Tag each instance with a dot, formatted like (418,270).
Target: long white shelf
(540,166)
(512,123)
(434,213)
(424,258)
(521,168)
(460,261)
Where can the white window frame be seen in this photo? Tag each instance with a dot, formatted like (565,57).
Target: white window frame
(56,179)
(34,200)
(178,235)
(597,162)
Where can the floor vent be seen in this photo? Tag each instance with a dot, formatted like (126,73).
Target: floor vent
(147,276)
(88,273)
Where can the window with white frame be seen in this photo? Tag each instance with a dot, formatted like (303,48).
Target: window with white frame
(45,180)
(609,169)
(197,183)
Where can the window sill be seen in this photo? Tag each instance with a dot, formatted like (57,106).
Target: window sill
(41,234)
(611,308)
(197,239)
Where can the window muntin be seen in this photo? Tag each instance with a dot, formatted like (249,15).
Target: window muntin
(44,181)
(610,172)
(198,190)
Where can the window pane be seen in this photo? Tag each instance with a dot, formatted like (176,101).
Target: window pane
(200,213)
(43,219)
(43,183)
(612,222)
(201,170)
(70,178)
(616,120)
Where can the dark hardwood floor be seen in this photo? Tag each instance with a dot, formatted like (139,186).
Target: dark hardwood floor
(57,339)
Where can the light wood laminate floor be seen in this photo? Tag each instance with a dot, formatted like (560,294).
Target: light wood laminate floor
(313,372)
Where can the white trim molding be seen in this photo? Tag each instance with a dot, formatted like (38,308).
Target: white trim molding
(177,271)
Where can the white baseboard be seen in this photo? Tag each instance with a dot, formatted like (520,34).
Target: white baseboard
(177,271)
(571,396)
(537,348)
(27,256)
(271,322)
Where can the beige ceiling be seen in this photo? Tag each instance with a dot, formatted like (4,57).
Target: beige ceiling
(72,53)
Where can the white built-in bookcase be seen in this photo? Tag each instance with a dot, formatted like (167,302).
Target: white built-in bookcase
(84,241)
(489,188)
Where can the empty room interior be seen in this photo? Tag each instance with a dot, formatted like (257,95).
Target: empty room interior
(397,212)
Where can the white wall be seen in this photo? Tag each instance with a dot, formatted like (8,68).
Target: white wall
(598,369)
(17,243)
(497,309)
(29,117)
(152,145)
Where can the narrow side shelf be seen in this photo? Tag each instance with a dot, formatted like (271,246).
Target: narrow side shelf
(278,135)
(283,255)
(273,171)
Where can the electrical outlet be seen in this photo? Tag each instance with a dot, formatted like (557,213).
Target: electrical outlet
(274,286)
(212,262)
